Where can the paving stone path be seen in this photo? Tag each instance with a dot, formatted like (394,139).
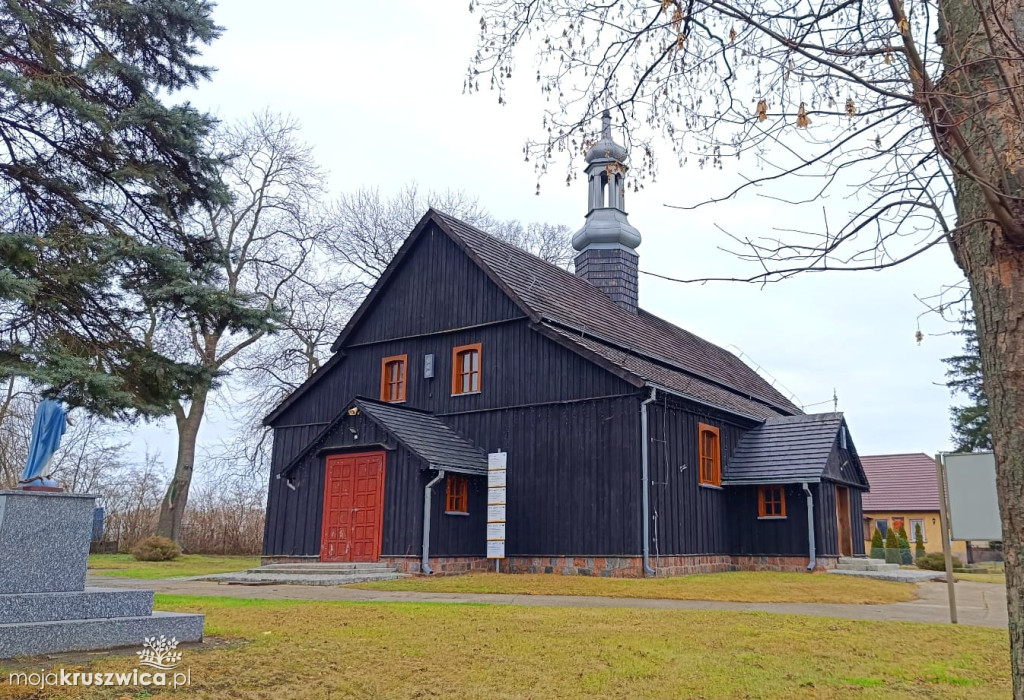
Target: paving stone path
(978,603)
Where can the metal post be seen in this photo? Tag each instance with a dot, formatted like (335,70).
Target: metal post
(940,470)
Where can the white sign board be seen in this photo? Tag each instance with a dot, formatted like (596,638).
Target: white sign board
(496,531)
(973,505)
(497,464)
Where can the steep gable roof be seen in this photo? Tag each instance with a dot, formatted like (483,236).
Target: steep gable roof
(784,449)
(549,293)
(901,482)
(641,345)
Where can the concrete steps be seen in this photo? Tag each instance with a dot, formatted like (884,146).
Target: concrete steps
(876,568)
(313,574)
(864,564)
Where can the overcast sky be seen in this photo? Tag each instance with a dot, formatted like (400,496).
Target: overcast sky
(377,88)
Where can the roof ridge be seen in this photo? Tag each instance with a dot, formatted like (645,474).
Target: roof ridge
(704,355)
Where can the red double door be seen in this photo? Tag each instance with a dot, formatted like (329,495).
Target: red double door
(353,507)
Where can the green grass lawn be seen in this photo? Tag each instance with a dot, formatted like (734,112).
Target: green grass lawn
(737,586)
(291,650)
(126,566)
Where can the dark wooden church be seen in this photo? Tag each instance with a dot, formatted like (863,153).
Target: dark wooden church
(633,447)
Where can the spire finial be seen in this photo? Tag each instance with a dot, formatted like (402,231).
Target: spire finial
(606,125)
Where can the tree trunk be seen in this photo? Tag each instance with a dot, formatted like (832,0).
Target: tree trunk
(981,137)
(172,508)
(995,269)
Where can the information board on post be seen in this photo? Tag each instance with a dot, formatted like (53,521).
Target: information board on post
(497,471)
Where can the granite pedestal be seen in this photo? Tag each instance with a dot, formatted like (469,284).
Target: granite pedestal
(45,607)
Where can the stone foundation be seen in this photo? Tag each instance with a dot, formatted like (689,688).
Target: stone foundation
(442,566)
(632,567)
(302,559)
(609,567)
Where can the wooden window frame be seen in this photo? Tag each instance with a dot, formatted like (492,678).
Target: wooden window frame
(456,494)
(763,501)
(385,384)
(457,368)
(716,458)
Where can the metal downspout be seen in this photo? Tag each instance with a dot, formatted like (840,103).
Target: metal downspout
(646,497)
(425,560)
(813,563)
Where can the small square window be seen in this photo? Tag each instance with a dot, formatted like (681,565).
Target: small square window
(771,502)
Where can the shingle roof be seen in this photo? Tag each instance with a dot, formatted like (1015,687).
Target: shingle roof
(424,434)
(642,344)
(699,390)
(784,449)
(901,482)
(427,436)
(558,296)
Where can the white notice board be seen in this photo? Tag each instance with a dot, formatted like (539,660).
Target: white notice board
(497,473)
(973,504)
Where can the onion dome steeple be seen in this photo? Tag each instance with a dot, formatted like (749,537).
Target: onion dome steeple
(607,240)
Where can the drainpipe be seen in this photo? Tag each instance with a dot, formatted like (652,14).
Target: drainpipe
(425,560)
(810,528)
(646,500)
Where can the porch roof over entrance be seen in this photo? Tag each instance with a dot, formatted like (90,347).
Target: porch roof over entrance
(426,436)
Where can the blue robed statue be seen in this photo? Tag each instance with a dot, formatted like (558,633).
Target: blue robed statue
(47,430)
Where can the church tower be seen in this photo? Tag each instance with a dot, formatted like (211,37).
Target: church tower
(607,243)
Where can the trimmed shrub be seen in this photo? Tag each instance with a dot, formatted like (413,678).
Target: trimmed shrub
(935,561)
(905,557)
(877,546)
(892,547)
(919,546)
(156,549)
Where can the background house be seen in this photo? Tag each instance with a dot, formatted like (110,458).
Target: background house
(904,487)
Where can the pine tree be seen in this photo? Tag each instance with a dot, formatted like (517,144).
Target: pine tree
(919,546)
(971,430)
(94,173)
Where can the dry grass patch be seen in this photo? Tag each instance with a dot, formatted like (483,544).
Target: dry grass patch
(982,578)
(125,565)
(296,650)
(735,586)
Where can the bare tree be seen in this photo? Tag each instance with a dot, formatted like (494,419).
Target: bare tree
(314,311)
(368,228)
(911,109)
(266,236)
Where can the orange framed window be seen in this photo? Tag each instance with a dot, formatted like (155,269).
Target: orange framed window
(393,378)
(710,455)
(771,502)
(466,369)
(457,496)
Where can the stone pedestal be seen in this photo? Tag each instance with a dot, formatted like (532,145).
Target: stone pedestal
(44,604)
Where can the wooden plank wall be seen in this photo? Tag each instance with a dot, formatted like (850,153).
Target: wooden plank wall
(573,474)
(687,518)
